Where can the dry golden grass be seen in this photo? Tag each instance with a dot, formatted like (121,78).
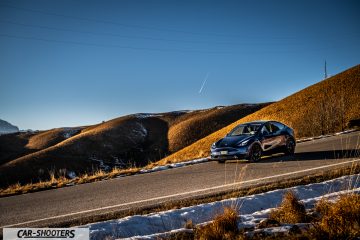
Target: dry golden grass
(325,107)
(339,220)
(195,125)
(224,226)
(61,181)
(49,138)
(291,210)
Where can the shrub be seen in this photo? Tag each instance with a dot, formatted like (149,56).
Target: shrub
(339,220)
(291,210)
(224,226)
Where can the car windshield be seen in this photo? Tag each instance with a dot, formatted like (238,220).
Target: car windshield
(248,129)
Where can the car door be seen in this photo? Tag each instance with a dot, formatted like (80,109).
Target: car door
(277,136)
(268,139)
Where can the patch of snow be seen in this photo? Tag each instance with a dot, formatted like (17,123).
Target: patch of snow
(174,165)
(69,132)
(159,235)
(155,169)
(147,115)
(101,163)
(118,162)
(141,131)
(71,174)
(346,131)
(325,136)
(184,111)
(273,231)
(252,209)
(249,104)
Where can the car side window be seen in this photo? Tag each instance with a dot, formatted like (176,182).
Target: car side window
(265,129)
(276,127)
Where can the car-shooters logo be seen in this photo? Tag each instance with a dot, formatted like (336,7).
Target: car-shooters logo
(46,233)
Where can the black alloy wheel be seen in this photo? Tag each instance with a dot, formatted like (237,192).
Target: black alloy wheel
(290,147)
(255,153)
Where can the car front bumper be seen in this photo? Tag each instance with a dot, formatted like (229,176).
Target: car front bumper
(229,153)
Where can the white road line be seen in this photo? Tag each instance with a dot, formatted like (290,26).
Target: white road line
(180,194)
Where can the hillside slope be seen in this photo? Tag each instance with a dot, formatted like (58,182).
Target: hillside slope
(19,144)
(51,137)
(198,124)
(326,107)
(122,142)
(13,145)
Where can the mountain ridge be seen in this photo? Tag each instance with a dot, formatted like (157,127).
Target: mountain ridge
(6,127)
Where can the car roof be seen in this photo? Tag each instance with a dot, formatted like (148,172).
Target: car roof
(255,122)
(261,122)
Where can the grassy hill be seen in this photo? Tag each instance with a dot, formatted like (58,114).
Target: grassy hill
(133,140)
(326,107)
(13,145)
(198,124)
(51,137)
(18,144)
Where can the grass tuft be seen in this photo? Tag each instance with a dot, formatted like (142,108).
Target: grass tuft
(291,210)
(224,226)
(189,224)
(340,219)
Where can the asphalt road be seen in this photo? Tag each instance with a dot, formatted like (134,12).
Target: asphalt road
(59,205)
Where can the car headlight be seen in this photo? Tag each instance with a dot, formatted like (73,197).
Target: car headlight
(243,143)
(213,145)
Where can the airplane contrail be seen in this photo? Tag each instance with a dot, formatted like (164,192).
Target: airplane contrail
(203,84)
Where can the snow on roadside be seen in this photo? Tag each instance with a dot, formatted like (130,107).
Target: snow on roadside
(253,209)
(325,136)
(174,165)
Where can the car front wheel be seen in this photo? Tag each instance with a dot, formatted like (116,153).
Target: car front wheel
(255,153)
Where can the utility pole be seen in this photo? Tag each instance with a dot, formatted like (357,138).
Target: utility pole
(325,75)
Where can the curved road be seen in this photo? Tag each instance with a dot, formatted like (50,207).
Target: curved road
(86,200)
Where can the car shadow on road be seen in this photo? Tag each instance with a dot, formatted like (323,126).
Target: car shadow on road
(305,156)
(317,155)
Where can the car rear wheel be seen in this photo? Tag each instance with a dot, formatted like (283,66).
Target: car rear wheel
(290,147)
(255,153)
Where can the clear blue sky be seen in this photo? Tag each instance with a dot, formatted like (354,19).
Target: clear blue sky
(69,63)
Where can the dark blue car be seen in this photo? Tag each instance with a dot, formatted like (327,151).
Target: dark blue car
(252,140)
